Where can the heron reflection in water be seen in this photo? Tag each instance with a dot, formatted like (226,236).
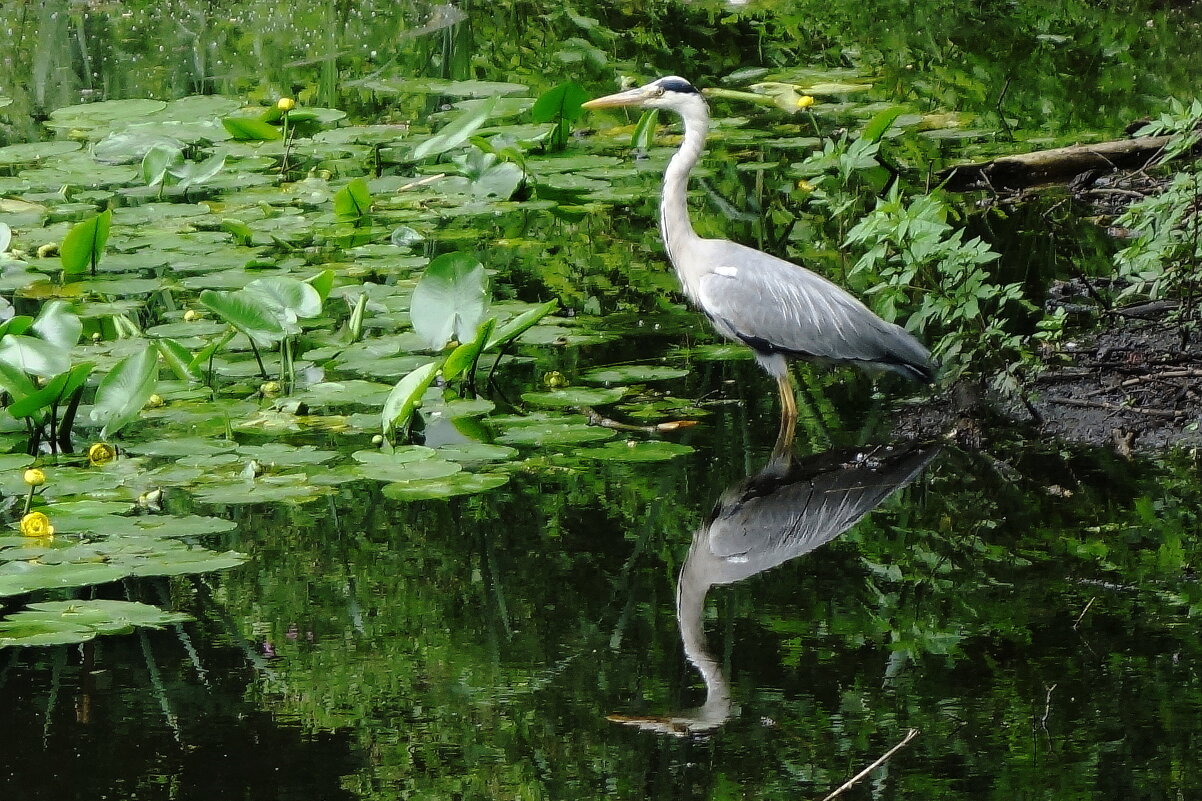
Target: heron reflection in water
(789,508)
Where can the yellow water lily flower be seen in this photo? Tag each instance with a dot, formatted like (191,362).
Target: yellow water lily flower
(805,101)
(285,104)
(36,524)
(34,477)
(101,453)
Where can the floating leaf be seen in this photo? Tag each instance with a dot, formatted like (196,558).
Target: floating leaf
(56,324)
(635,451)
(633,374)
(84,243)
(449,300)
(158,160)
(560,103)
(247,313)
(6,237)
(574,396)
(554,433)
(450,486)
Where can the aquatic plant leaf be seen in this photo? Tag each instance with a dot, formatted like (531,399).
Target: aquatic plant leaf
(287,297)
(405,397)
(6,237)
(192,173)
(457,131)
(881,122)
(16,632)
(28,152)
(245,312)
(574,396)
(250,129)
(158,160)
(353,201)
(644,130)
(477,452)
(57,324)
(635,451)
(554,433)
(93,115)
(560,103)
(279,454)
(420,470)
(178,358)
(21,577)
(100,615)
(56,389)
(35,356)
(633,374)
(449,300)
(183,561)
(84,243)
(123,392)
(323,282)
(516,326)
(447,487)
(463,358)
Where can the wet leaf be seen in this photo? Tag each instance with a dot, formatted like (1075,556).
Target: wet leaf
(450,300)
(633,374)
(123,392)
(353,201)
(405,397)
(250,129)
(447,487)
(84,243)
(635,451)
(457,132)
(574,396)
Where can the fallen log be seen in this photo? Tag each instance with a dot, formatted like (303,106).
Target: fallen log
(1058,165)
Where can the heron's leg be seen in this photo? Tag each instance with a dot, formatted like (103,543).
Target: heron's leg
(788,414)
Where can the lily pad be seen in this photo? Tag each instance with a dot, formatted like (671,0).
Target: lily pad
(635,451)
(36,151)
(450,486)
(633,374)
(574,396)
(95,115)
(554,433)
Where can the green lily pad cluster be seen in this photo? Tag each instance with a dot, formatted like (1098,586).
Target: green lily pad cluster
(245,297)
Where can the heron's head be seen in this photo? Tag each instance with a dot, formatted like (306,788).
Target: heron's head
(673,93)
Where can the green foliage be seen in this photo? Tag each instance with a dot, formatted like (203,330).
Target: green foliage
(450,300)
(124,390)
(561,106)
(84,244)
(914,257)
(456,132)
(1164,258)
(352,203)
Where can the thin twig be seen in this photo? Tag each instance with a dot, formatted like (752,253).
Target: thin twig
(1114,407)
(429,179)
(910,735)
(1081,616)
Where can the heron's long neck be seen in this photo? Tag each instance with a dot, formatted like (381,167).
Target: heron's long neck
(674,206)
(690,612)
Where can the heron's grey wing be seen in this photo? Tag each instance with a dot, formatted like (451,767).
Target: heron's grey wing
(775,306)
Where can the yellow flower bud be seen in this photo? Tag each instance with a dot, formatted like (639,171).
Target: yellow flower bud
(285,104)
(35,477)
(805,101)
(48,251)
(191,316)
(36,524)
(554,380)
(101,453)
(269,389)
(805,186)
(154,401)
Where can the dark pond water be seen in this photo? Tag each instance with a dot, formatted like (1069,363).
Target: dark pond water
(717,625)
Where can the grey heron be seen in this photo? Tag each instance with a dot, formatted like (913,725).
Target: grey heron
(778,309)
(790,508)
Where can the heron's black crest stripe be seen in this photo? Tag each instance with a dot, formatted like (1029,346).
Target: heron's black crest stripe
(678,85)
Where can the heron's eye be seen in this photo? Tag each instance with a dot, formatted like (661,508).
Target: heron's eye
(659,91)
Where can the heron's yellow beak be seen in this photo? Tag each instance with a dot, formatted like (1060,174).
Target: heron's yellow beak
(631,97)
